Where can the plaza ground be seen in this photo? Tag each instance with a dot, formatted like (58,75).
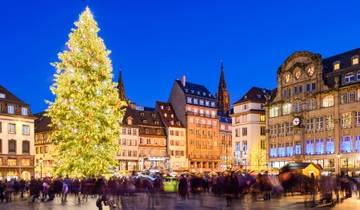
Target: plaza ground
(171,201)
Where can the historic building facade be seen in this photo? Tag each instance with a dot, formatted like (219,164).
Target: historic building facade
(152,140)
(225,140)
(43,147)
(128,154)
(16,137)
(176,137)
(196,109)
(249,130)
(314,113)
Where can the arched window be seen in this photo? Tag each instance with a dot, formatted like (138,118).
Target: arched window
(25,147)
(12,146)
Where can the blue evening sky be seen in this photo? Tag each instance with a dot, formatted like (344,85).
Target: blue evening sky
(155,42)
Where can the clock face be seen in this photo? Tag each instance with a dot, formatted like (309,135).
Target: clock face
(297,73)
(296,121)
(310,70)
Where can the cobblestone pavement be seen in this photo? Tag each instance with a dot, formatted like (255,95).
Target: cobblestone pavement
(171,201)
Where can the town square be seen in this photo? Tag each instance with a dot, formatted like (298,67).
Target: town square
(136,105)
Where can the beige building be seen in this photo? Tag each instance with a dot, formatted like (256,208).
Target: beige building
(175,137)
(16,137)
(314,114)
(43,147)
(225,135)
(248,130)
(129,142)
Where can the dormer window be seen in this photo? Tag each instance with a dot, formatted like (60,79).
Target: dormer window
(142,114)
(188,100)
(129,121)
(172,116)
(153,115)
(161,107)
(204,94)
(24,111)
(186,90)
(355,60)
(2,95)
(165,115)
(198,92)
(337,65)
(201,102)
(11,109)
(192,91)
(178,123)
(172,122)
(156,122)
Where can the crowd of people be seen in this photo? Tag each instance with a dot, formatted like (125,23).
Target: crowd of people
(227,184)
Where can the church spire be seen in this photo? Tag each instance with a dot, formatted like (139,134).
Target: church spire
(223,98)
(120,87)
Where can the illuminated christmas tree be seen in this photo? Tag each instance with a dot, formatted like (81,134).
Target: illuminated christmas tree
(87,110)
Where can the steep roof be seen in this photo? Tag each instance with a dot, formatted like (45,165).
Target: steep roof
(10,97)
(255,94)
(42,122)
(344,59)
(146,117)
(195,90)
(167,114)
(346,66)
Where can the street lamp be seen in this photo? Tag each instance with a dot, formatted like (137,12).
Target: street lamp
(41,166)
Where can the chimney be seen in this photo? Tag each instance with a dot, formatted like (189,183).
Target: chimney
(183,80)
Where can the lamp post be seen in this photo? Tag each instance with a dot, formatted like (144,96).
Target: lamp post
(41,166)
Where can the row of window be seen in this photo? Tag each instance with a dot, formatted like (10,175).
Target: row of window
(288,92)
(128,142)
(128,153)
(200,102)
(12,146)
(350,119)
(151,152)
(354,61)
(242,133)
(177,153)
(11,128)
(316,147)
(203,122)
(129,131)
(177,142)
(350,97)
(11,109)
(201,112)
(152,141)
(177,133)
(41,149)
(244,118)
(14,162)
(310,104)
(203,133)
